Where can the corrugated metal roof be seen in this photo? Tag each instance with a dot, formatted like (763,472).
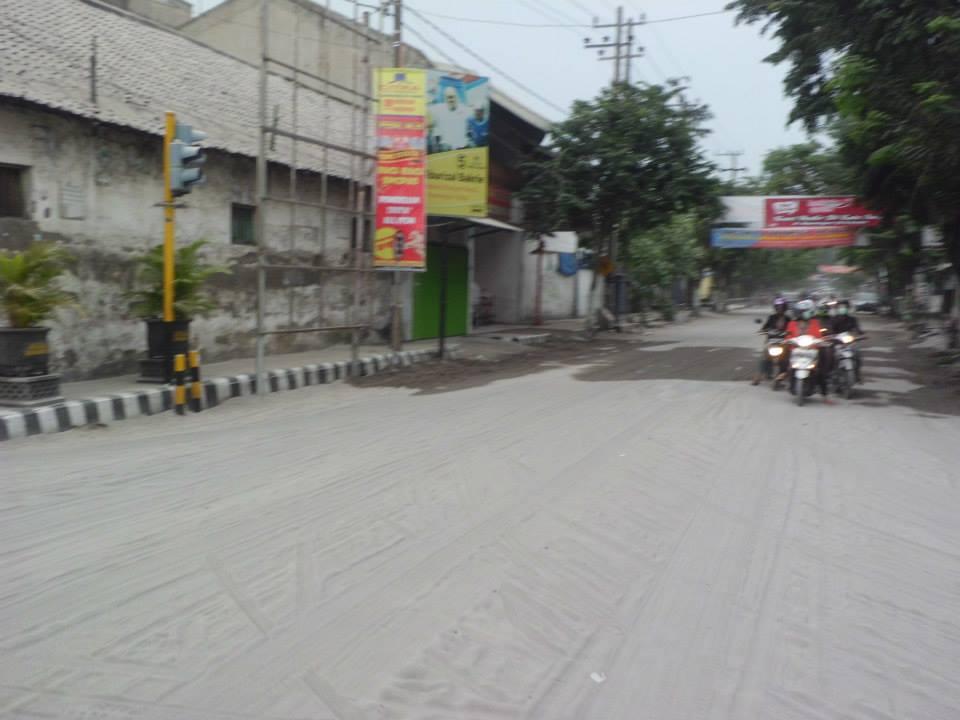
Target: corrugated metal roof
(143,70)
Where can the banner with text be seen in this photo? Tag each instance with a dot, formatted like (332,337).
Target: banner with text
(400,241)
(782,238)
(818,212)
(458,136)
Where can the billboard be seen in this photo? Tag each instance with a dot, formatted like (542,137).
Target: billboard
(782,238)
(820,211)
(458,136)
(400,239)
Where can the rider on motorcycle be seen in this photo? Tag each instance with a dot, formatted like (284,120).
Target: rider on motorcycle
(776,323)
(844,322)
(807,324)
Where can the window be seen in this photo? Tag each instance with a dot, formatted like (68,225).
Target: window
(242,219)
(12,193)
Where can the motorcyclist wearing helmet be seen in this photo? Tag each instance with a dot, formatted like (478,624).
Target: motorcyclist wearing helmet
(778,320)
(845,322)
(776,323)
(806,324)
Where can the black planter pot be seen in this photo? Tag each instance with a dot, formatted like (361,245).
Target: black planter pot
(164,340)
(24,352)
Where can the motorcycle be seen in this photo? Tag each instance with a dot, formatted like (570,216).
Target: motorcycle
(804,366)
(845,364)
(773,351)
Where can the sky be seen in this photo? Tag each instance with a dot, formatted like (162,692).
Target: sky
(724,62)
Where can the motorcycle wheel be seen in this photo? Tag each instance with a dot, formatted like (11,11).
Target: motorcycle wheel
(848,380)
(801,393)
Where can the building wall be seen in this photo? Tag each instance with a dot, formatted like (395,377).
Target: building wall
(497,272)
(172,13)
(94,188)
(303,37)
(563,296)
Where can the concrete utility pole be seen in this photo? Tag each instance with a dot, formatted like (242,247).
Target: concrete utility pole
(622,45)
(396,316)
(734,156)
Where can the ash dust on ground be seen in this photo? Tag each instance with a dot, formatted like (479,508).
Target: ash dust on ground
(606,358)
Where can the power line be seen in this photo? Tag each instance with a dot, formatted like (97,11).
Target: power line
(580,6)
(552,17)
(509,23)
(477,56)
(549,12)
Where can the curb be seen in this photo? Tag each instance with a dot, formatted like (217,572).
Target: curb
(104,409)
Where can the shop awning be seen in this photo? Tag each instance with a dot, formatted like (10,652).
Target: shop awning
(455,224)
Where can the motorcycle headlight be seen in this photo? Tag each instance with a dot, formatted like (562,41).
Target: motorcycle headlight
(805,341)
(846,338)
(776,351)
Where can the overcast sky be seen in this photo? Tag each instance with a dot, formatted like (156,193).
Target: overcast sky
(724,61)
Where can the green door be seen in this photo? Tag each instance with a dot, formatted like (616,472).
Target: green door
(426,294)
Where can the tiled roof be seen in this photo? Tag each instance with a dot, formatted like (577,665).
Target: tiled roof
(144,70)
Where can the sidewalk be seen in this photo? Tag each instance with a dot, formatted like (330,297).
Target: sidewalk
(95,402)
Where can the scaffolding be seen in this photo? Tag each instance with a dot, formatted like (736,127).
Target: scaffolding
(288,87)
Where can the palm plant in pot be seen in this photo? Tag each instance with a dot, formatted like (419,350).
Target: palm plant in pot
(191,299)
(30,293)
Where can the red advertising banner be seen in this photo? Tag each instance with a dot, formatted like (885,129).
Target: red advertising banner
(786,212)
(400,241)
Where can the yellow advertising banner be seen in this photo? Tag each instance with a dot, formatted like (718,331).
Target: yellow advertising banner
(400,241)
(458,136)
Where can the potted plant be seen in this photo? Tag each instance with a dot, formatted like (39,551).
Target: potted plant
(30,293)
(190,300)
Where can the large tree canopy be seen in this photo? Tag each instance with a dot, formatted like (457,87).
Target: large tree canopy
(626,162)
(805,169)
(888,72)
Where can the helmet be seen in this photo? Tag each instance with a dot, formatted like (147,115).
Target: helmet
(804,309)
(781,302)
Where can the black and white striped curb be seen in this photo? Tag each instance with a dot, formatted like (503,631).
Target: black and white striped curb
(126,405)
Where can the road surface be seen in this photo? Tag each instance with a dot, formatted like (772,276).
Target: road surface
(614,531)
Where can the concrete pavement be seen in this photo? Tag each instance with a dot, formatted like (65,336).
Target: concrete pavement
(616,530)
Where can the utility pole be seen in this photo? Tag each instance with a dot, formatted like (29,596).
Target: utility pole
(734,156)
(396,317)
(624,51)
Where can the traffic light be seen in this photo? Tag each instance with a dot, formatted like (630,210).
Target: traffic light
(186,160)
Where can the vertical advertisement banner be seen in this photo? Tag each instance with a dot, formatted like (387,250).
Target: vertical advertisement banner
(400,241)
(458,138)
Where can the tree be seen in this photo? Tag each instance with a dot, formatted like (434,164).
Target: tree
(888,73)
(660,256)
(806,169)
(626,162)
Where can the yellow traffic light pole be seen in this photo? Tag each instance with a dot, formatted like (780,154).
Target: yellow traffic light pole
(169,218)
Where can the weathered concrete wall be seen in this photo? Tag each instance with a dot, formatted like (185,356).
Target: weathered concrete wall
(302,36)
(498,263)
(94,188)
(563,296)
(173,13)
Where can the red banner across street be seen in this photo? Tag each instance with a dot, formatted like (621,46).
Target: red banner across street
(841,211)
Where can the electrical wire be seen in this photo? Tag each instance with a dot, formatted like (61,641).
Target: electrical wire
(477,56)
(551,13)
(509,23)
(665,50)
(553,16)
(579,5)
